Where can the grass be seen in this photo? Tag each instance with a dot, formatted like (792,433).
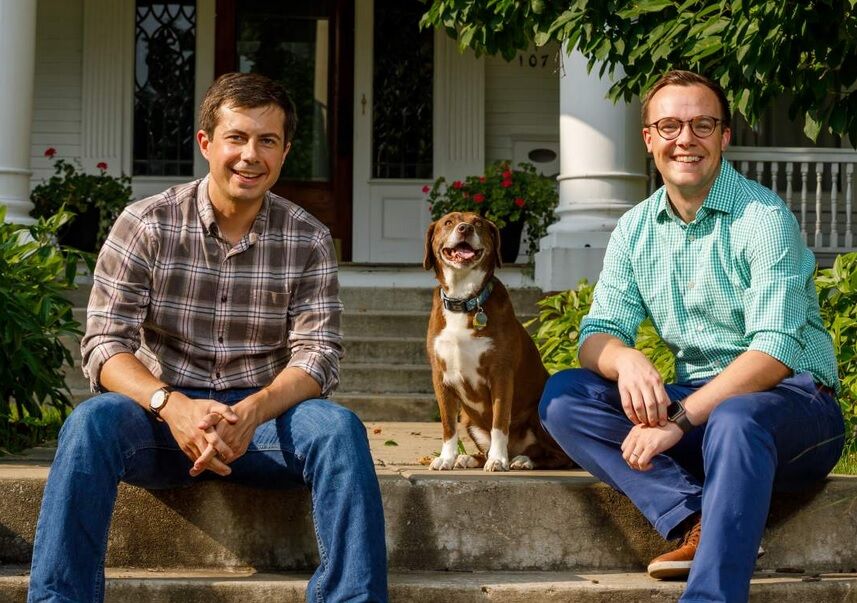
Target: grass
(17,434)
(847,465)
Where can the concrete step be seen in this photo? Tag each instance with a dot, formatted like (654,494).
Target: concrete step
(386,379)
(201,586)
(390,407)
(459,521)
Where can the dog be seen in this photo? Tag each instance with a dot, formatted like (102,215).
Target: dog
(484,363)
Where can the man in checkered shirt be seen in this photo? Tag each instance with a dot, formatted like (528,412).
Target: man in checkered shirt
(717,263)
(213,329)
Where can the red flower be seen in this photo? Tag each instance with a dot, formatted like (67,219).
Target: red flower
(482,179)
(50,152)
(478,198)
(506,183)
(426,188)
(520,202)
(507,175)
(102,166)
(457,184)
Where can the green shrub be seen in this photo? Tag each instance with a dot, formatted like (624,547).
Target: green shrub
(559,330)
(560,315)
(837,294)
(34,274)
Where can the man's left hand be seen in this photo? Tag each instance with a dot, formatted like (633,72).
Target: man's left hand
(643,443)
(237,436)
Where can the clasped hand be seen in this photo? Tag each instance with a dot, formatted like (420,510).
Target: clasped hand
(233,436)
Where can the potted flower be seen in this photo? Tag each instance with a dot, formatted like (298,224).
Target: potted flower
(95,199)
(511,198)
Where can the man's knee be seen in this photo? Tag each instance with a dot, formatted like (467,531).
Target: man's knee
(565,392)
(334,424)
(97,417)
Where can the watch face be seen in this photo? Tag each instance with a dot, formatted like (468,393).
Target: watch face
(158,399)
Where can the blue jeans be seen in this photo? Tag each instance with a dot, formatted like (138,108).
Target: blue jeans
(110,438)
(784,438)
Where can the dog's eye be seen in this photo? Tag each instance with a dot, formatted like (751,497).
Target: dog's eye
(448,223)
(477,223)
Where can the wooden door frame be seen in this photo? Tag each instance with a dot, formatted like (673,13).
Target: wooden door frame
(341,115)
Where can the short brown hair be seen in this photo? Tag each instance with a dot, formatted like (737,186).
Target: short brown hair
(688,78)
(246,90)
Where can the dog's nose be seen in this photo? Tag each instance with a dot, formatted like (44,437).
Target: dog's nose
(464,228)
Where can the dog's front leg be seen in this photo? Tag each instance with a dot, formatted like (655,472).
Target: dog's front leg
(448,403)
(501,408)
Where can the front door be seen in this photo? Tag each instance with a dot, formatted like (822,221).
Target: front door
(307,45)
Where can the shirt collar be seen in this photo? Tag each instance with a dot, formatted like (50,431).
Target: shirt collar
(720,198)
(206,211)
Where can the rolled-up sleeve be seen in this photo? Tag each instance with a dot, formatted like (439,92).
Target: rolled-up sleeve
(120,295)
(617,307)
(315,312)
(776,303)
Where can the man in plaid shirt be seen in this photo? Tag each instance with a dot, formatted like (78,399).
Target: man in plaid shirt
(213,329)
(717,263)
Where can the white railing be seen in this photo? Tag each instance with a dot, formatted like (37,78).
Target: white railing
(816,184)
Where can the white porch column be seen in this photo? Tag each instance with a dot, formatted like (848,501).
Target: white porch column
(602,175)
(17,75)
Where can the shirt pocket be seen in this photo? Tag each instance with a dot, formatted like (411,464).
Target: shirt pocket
(268,318)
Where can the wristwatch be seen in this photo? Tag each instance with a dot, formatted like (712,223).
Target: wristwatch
(159,400)
(678,415)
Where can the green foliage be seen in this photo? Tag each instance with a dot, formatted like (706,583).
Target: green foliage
(502,195)
(757,49)
(560,315)
(34,273)
(559,330)
(79,192)
(837,294)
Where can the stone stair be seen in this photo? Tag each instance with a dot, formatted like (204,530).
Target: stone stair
(463,536)
(385,374)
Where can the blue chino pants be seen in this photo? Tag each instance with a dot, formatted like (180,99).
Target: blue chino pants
(785,438)
(110,438)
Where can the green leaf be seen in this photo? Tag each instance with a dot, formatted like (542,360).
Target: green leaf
(811,127)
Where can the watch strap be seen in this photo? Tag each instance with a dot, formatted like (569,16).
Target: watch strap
(678,415)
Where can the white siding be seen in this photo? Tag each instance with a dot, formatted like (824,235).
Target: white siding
(57,95)
(521,101)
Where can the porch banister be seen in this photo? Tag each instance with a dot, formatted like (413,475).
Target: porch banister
(849,236)
(17,76)
(834,210)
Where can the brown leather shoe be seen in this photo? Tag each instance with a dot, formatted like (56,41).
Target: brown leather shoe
(676,564)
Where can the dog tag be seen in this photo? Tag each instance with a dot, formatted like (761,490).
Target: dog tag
(480,319)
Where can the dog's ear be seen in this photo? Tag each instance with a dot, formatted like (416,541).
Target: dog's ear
(495,234)
(428,258)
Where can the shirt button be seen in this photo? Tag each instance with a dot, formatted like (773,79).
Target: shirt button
(223,298)
(700,328)
(691,238)
(220,340)
(217,374)
(690,285)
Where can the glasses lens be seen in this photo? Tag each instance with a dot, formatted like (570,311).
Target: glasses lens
(703,126)
(668,127)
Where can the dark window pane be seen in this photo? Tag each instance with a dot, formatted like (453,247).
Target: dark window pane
(164,77)
(402,88)
(291,42)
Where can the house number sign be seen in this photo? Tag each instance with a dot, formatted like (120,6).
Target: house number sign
(533,60)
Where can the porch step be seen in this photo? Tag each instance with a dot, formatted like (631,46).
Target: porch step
(385,379)
(201,586)
(450,521)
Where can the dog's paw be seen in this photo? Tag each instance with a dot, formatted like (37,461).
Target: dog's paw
(442,464)
(521,463)
(465,461)
(497,464)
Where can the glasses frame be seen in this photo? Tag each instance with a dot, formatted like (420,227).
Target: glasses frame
(689,122)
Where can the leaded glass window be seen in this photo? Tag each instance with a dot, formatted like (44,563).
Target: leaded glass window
(164,77)
(402,88)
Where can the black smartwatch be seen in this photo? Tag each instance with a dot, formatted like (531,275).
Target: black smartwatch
(678,415)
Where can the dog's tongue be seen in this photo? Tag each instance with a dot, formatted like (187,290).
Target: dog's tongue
(464,251)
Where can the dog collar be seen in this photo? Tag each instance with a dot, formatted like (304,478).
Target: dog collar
(467,305)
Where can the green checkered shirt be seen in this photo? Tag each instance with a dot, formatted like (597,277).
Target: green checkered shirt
(738,277)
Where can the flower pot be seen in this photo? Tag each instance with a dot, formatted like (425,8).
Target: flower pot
(81,232)
(510,241)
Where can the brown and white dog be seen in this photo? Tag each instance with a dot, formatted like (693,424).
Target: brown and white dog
(484,363)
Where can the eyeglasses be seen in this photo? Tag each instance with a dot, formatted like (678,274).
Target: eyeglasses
(670,128)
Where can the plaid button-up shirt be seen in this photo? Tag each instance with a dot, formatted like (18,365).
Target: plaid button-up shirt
(199,312)
(738,277)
